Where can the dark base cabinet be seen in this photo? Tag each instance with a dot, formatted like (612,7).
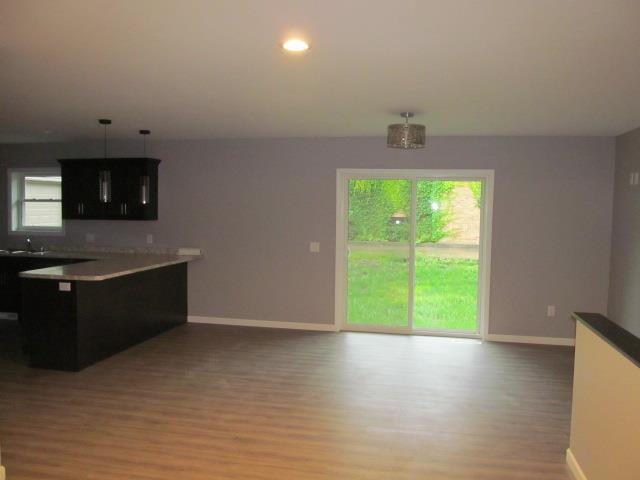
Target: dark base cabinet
(70,330)
(10,268)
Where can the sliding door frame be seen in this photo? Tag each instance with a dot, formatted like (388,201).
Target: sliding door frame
(343,175)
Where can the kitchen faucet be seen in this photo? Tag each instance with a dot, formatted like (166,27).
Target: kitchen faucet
(29,245)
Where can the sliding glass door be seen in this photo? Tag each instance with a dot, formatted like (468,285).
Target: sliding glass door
(447,255)
(379,252)
(411,246)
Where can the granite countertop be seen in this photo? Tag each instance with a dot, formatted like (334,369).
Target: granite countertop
(104,264)
(618,337)
(81,254)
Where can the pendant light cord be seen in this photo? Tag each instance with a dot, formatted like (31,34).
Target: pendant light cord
(144,134)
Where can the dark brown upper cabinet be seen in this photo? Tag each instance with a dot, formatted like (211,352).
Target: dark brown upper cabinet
(110,189)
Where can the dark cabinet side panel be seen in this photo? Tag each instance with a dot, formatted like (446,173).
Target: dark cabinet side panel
(120,312)
(49,322)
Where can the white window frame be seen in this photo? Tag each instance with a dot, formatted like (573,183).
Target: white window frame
(15,197)
(343,175)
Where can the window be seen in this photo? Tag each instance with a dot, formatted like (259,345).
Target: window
(35,201)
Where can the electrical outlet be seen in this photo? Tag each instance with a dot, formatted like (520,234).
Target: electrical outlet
(551,310)
(314,247)
(149,238)
(89,237)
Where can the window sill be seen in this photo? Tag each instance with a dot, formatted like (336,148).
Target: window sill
(38,233)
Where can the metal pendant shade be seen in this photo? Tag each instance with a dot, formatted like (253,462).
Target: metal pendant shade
(406,135)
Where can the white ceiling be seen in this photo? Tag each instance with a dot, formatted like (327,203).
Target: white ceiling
(211,69)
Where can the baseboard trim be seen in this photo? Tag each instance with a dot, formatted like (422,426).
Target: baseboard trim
(567,342)
(242,322)
(574,466)
(324,327)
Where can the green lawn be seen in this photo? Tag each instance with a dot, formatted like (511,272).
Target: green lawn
(445,290)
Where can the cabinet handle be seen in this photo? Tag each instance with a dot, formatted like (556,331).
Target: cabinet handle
(79,208)
(125,209)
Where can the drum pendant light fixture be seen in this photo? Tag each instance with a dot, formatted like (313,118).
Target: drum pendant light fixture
(407,136)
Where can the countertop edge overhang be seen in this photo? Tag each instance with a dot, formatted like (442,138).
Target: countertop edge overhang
(95,268)
(618,337)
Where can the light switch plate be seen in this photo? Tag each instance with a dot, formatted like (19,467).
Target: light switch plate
(149,238)
(314,247)
(64,286)
(551,310)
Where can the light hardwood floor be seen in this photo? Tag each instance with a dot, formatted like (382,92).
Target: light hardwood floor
(213,402)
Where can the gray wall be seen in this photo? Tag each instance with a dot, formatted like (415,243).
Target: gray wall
(624,292)
(254,205)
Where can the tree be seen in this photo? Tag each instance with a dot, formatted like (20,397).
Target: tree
(433,208)
(373,203)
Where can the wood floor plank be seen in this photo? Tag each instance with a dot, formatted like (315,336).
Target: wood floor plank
(215,402)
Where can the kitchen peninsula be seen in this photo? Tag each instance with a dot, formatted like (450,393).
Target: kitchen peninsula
(76,314)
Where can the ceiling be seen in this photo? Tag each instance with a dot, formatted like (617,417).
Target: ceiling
(213,69)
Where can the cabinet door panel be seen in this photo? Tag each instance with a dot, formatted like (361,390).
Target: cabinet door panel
(71,193)
(91,206)
(142,192)
(7,294)
(116,208)
(80,191)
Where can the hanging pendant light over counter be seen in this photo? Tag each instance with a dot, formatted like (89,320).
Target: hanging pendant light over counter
(406,135)
(104,175)
(145,180)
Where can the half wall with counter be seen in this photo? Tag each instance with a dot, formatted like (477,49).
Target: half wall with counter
(605,421)
(75,315)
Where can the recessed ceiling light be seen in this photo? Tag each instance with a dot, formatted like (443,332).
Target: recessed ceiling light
(295,45)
